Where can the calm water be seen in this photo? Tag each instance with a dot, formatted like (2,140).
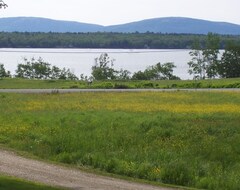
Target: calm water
(81,60)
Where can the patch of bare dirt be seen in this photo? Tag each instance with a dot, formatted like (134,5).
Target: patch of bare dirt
(50,174)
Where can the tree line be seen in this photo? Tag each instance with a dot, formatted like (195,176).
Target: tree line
(38,69)
(106,40)
(103,69)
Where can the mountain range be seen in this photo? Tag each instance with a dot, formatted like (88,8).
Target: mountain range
(157,25)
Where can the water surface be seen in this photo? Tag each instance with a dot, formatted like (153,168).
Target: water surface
(81,60)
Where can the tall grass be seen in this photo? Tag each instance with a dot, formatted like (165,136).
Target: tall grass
(17,83)
(9,183)
(183,138)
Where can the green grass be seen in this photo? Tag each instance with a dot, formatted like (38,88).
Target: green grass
(62,84)
(181,138)
(10,183)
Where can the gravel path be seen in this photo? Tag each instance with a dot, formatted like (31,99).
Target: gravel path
(39,91)
(14,165)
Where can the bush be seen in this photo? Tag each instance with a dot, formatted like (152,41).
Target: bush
(120,86)
(106,85)
(148,85)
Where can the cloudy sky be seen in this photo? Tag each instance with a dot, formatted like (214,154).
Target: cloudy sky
(110,12)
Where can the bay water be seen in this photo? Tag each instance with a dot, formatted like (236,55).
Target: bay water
(80,61)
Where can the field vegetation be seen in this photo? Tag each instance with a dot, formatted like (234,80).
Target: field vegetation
(182,138)
(9,183)
(18,83)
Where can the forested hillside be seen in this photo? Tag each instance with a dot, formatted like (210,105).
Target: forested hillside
(105,40)
(166,25)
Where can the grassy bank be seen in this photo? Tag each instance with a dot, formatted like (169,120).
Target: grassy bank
(63,84)
(183,138)
(9,183)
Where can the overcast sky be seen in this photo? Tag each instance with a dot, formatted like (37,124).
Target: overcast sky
(110,12)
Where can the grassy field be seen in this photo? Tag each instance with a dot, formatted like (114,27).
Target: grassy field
(184,138)
(9,183)
(63,84)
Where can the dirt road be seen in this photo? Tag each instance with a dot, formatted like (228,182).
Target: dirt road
(14,165)
(39,91)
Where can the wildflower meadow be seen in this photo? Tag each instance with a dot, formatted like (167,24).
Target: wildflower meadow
(182,138)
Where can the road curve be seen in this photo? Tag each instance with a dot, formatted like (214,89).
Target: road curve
(38,171)
(38,91)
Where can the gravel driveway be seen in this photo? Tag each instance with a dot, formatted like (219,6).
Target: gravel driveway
(38,171)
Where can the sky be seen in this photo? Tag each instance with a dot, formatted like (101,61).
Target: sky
(111,12)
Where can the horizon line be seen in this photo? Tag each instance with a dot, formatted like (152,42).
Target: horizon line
(54,19)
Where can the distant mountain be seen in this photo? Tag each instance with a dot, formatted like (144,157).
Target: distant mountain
(157,25)
(34,24)
(177,25)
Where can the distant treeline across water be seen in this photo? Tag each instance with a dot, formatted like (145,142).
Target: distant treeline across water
(106,40)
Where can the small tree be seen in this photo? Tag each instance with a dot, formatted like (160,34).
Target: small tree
(197,66)
(123,75)
(139,76)
(55,72)
(210,55)
(66,74)
(165,71)
(103,68)
(204,62)
(39,69)
(34,69)
(3,72)
(156,72)
(230,62)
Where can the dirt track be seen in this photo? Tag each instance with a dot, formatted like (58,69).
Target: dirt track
(14,165)
(41,91)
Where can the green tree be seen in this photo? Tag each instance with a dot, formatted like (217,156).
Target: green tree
(3,72)
(123,74)
(210,54)
(39,69)
(204,62)
(24,70)
(139,76)
(103,68)
(197,66)
(156,72)
(230,62)
(165,71)
(66,74)
(34,69)
(55,72)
